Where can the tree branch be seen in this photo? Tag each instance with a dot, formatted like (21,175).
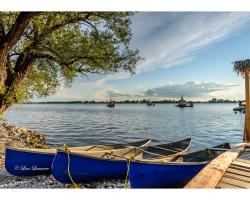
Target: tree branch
(18,29)
(58,26)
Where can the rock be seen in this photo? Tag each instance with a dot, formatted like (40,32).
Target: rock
(1,164)
(18,137)
(21,130)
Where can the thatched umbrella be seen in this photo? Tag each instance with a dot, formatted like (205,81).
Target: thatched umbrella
(242,67)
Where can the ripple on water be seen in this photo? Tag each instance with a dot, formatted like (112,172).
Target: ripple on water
(76,124)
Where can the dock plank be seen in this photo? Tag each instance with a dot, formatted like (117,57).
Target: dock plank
(239,172)
(226,186)
(239,167)
(242,160)
(245,157)
(242,164)
(237,177)
(235,182)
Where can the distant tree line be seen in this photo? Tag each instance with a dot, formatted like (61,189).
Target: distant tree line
(143,101)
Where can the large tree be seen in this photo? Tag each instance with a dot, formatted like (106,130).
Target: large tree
(41,50)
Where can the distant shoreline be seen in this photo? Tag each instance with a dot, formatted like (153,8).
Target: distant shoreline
(121,102)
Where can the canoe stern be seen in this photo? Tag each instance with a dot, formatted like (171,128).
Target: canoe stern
(25,163)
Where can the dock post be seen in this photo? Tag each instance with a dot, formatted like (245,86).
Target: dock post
(242,67)
(246,137)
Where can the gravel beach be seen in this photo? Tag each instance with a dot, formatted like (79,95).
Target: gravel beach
(9,181)
(11,135)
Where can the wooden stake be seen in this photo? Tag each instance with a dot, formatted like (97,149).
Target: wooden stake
(246,137)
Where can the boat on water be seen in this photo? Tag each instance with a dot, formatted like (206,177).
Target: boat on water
(174,173)
(31,162)
(149,103)
(183,103)
(111,104)
(241,107)
(76,167)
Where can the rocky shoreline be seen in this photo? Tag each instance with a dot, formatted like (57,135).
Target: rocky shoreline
(11,135)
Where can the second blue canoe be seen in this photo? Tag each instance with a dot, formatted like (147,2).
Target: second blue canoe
(173,174)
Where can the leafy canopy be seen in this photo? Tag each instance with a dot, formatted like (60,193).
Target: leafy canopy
(63,45)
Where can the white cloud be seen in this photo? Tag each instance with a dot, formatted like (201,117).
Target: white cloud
(190,89)
(170,39)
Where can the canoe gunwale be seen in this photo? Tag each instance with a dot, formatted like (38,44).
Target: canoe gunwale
(161,161)
(92,156)
(145,144)
(165,146)
(129,148)
(26,150)
(170,163)
(141,143)
(164,157)
(53,151)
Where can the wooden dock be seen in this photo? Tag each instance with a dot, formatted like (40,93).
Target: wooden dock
(229,170)
(238,173)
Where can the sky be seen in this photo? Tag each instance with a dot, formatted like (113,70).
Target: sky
(185,53)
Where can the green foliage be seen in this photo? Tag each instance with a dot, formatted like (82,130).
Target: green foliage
(63,45)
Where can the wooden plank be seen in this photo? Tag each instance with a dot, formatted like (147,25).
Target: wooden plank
(243,169)
(239,172)
(235,182)
(241,164)
(236,165)
(226,186)
(242,160)
(245,157)
(210,175)
(237,177)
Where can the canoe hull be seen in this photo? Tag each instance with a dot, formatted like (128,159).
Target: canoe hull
(86,169)
(32,162)
(27,163)
(145,175)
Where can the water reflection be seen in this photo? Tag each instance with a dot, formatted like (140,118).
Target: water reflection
(81,124)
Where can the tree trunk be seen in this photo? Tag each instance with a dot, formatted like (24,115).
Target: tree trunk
(246,137)
(9,96)
(7,87)
(11,39)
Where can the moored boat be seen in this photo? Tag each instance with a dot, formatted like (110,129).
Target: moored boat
(175,173)
(111,104)
(72,166)
(31,162)
(241,107)
(183,103)
(150,103)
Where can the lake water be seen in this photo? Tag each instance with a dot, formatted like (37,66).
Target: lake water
(84,124)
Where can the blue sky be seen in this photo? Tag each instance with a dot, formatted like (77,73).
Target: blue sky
(185,53)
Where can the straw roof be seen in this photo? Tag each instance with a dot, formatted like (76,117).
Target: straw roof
(241,66)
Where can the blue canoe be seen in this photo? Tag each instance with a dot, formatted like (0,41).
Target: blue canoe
(73,166)
(31,162)
(173,174)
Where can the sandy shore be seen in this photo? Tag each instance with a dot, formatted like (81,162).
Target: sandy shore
(11,135)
